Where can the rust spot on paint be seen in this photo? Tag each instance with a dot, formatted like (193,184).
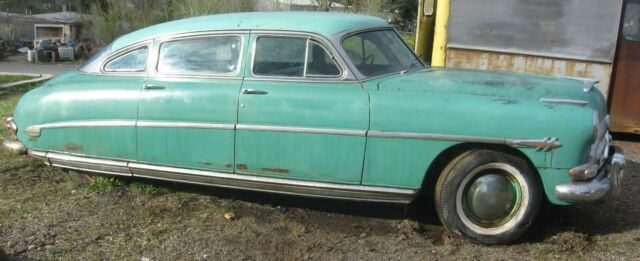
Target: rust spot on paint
(241,166)
(276,170)
(73,147)
(490,83)
(228,166)
(206,163)
(506,101)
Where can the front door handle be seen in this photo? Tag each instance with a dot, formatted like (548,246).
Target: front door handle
(254,91)
(152,87)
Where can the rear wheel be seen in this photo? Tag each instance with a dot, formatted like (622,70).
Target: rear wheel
(488,196)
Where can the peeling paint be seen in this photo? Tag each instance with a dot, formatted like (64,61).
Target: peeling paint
(73,147)
(506,101)
(276,170)
(242,166)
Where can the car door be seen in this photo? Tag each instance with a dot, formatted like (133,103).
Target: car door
(188,106)
(298,116)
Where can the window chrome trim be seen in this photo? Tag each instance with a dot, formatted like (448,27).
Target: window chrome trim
(340,63)
(160,41)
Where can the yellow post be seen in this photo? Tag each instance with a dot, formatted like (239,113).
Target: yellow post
(420,31)
(424,30)
(440,37)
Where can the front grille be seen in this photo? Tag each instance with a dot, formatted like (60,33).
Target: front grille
(600,148)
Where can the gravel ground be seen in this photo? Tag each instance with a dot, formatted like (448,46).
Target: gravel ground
(44,215)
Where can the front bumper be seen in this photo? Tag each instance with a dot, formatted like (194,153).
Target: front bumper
(14,146)
(606,183)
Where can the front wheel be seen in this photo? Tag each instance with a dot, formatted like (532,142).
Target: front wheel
(488,196)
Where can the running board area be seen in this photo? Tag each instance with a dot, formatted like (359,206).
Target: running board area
(227,180)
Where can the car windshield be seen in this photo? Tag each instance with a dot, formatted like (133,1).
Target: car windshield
(380,52)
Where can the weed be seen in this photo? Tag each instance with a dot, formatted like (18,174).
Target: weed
(104,184)
(145,188)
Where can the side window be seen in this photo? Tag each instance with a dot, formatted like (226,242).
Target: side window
(320,63)
(133,61)
(279,56)
(206,55)
(286,56)
(631,23)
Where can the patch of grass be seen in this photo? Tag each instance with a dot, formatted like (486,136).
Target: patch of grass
(145,188)
(104,184)
(14,78)
(9,98)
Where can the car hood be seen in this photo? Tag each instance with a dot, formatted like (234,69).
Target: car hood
(502,86)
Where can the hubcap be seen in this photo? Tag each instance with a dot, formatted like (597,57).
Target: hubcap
(491,199)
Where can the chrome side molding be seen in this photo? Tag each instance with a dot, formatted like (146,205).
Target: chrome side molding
(228,180)
(545,144)
(565,101)
(35,131)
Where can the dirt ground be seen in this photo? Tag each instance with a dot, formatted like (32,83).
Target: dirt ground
(44,215)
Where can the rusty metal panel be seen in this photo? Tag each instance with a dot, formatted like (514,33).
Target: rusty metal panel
(482,60)
(625,108)
(571,29)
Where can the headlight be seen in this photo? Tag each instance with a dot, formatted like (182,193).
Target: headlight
(11,126)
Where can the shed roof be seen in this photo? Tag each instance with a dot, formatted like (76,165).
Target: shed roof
(323,23)
(61,17)
(17,19)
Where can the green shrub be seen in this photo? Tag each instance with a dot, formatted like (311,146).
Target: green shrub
(104,184)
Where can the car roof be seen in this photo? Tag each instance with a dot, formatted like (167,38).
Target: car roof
(323,23)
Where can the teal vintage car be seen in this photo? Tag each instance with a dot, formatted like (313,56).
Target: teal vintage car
(325,105)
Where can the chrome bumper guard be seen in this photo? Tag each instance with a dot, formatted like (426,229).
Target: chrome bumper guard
(11,143)
(14,146)
(607,182)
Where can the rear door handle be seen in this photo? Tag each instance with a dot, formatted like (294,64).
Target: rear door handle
(152,87)
(254,91)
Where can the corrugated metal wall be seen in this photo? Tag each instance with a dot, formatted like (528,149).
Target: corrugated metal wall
(483,60)
(550,37)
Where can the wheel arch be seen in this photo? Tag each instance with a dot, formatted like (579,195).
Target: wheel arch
(436,167)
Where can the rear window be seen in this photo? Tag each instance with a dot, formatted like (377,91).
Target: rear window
(133,61)
(93,64)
